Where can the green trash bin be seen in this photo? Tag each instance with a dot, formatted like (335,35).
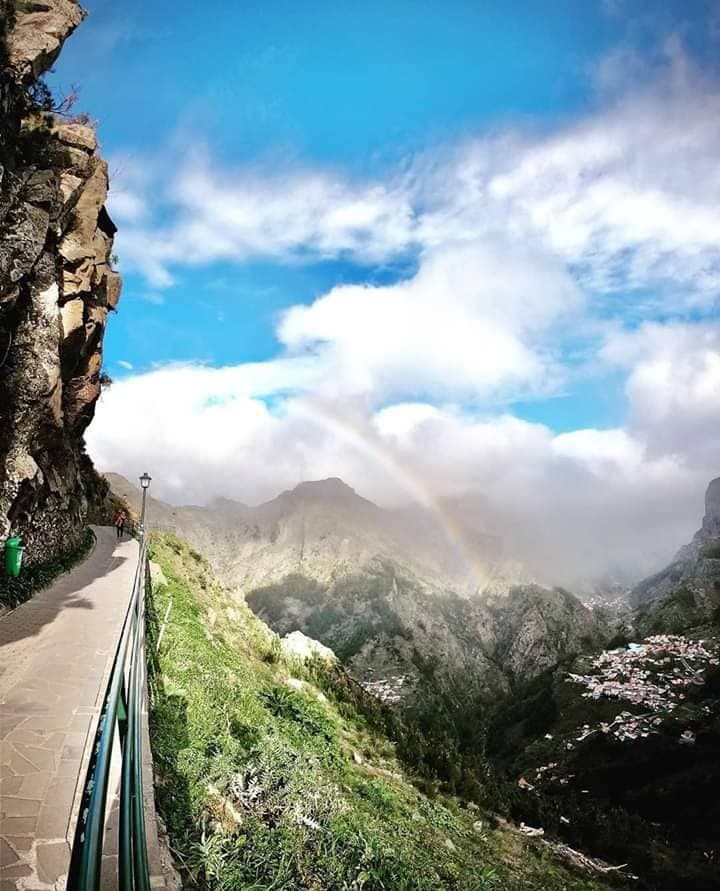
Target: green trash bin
(13,556)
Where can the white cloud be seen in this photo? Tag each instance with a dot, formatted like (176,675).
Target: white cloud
(626,196)
(200,425)
(566,503)
(467,325)
(603,452)
(123,363)
(126,207)
(571,505)
(673,387)
(234,215)
(454,453)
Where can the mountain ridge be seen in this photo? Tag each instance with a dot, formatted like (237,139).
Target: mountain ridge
(389,536)
(687,591)
(390,599)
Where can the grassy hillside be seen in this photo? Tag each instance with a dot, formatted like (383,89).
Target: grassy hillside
(268,776)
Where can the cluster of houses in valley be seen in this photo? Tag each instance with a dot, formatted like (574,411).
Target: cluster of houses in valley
(655,676)
(388,690)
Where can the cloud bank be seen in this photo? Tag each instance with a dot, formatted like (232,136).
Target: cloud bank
(545,263)
(572,504)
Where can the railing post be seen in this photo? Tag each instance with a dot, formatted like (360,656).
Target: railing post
(133,860)
(122,717)
(140,855)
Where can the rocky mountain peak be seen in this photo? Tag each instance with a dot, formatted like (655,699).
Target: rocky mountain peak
(712,507)
(691,583)
(332,488)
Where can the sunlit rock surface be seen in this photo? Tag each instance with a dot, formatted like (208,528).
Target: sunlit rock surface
(57,288)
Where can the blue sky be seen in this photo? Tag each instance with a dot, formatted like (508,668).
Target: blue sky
(485,225)
(340,86)
(354,88)
(331,80)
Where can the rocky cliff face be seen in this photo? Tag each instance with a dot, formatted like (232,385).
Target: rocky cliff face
(399,639)
(688,590)
(57,287)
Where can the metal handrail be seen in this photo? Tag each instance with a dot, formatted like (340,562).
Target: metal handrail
(122,707)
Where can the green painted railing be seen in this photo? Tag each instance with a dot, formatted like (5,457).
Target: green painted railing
(121,710)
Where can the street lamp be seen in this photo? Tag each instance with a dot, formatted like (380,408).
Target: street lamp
(145,481)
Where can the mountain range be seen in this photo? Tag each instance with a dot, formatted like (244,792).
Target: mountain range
(600,725)
(406,601)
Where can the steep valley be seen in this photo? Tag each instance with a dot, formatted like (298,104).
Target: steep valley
(275,769)
(602,732)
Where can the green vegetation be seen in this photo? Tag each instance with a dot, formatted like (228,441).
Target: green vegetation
(651,802)
(673,614)
(430,734)
(14,591)
(269,775)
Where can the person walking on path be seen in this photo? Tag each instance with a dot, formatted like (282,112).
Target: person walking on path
(120,517)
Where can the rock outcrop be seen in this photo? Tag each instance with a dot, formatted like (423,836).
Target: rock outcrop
(708,535)
(298,646)
(688,590)
(38,34)
(57,287)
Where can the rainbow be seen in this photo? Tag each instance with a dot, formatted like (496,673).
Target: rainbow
(379,452)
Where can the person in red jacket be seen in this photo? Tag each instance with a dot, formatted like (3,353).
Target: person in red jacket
(120,517)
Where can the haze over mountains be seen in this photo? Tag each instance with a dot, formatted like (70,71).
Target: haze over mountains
(326,527)
(389,590)
(469,541)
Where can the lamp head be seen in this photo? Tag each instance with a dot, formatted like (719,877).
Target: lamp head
(145,480)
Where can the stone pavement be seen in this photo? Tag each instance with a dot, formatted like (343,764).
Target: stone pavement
(56,651)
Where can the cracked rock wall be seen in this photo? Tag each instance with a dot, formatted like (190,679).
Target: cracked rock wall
(57,288)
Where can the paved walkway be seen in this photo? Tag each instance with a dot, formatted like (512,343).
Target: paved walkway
(55,655)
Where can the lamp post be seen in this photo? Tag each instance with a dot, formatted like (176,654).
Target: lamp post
(145,481)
